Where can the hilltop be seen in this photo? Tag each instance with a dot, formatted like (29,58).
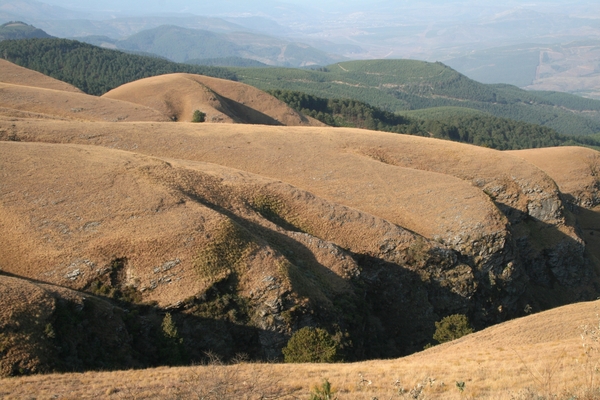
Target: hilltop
(19,30)
(178,95)
(243,234)
(171,97)
(16,75)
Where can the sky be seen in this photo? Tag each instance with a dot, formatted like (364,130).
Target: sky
(231,6)
(288,10)
(197,7)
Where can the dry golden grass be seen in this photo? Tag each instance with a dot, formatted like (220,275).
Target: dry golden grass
(155,192)
(178,95)
(69,210)
(15,75)
(61,104)
(541,354)
(576,170)
(325,161)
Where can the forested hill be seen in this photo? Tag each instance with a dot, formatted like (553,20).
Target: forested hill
(477,128)
(20,30)
(400,85)
(94,70)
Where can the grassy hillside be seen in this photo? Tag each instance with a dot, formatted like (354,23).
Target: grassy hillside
(401,85)
(93,69)
(178,96)
(190,240)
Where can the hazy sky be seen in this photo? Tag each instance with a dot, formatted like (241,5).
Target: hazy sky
(290,12)
(202,7)
(212,6)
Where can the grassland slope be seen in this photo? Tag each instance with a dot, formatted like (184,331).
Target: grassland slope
(191,235)
(574,169)
(246,233)
(471,199)
(16,75)
(178,95)
(27,93)
(18,100)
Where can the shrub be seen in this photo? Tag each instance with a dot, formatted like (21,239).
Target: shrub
(323,392)
(314,345)
(452,327)
(198,116)
(171,349)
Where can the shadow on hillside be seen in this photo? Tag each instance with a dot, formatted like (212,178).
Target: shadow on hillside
(90,332)
(558,267)
(248,115)
(387,311)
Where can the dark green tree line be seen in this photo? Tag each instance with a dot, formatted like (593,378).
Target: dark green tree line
(92,69)
(482,130)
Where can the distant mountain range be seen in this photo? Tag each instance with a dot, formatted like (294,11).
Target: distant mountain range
(534,47)
(183,44)
(571,67)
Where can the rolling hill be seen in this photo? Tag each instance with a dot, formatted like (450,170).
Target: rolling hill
(15,75)
(178,95)
(171,97)
(401,85)
(228,238)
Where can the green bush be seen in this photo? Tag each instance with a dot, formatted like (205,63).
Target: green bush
(198,116)
(452,327)
(311,345)
(171,349)
(323,392)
